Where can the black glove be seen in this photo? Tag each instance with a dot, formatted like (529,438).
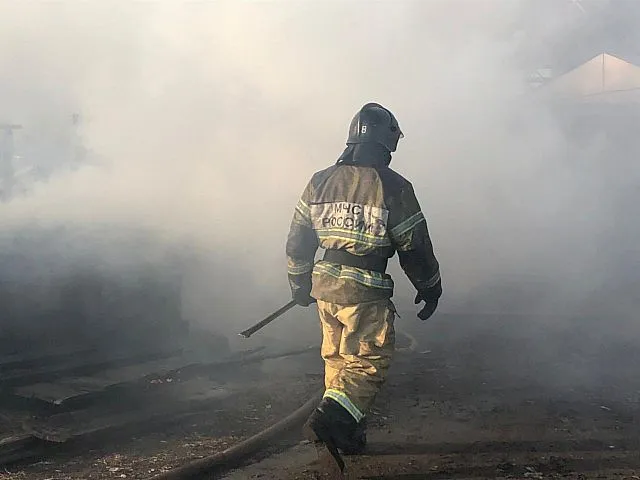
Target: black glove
(303,298)
(301,286)
(428,309)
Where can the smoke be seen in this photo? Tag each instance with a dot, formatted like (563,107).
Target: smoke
(210,117)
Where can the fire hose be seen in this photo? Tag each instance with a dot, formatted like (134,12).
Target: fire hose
(234,456)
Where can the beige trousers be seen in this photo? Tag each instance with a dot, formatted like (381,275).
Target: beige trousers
(357,348)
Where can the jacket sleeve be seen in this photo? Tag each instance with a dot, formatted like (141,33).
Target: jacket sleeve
(302,244)
(410,236)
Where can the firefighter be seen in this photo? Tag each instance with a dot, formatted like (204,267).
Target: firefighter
(360,212)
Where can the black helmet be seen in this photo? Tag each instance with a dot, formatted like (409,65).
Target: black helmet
(375,124)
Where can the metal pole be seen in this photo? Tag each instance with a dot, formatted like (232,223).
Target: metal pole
(263,323)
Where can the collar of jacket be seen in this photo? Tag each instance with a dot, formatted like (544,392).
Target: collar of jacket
(365,155)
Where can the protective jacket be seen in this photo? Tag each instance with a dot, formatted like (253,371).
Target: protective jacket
(361,215)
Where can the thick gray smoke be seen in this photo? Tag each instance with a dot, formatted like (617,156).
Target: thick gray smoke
(209,118)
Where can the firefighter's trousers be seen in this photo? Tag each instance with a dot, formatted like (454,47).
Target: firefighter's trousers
(357,347)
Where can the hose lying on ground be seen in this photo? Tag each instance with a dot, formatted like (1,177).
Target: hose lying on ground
(233,456)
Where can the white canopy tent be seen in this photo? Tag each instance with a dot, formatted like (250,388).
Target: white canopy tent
(603,79)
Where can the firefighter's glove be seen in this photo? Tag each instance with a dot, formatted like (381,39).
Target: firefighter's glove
(301,286)
(428,309)
(303,298)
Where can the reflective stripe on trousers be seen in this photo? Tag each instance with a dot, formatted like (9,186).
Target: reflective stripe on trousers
(357,348)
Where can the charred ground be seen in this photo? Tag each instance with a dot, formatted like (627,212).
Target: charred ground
(478,397)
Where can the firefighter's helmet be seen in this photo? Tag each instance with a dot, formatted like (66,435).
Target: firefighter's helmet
(375,124)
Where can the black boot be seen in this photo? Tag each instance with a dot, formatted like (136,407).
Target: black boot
(333,426)
(358,440)
(318,431)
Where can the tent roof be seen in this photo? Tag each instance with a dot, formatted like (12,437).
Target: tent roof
(603,78)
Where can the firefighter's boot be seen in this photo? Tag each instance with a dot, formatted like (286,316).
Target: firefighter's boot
(358,440)
(334,428)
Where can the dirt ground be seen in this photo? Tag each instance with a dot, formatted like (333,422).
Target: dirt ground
(493,401)
(497,402)
(464,426)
